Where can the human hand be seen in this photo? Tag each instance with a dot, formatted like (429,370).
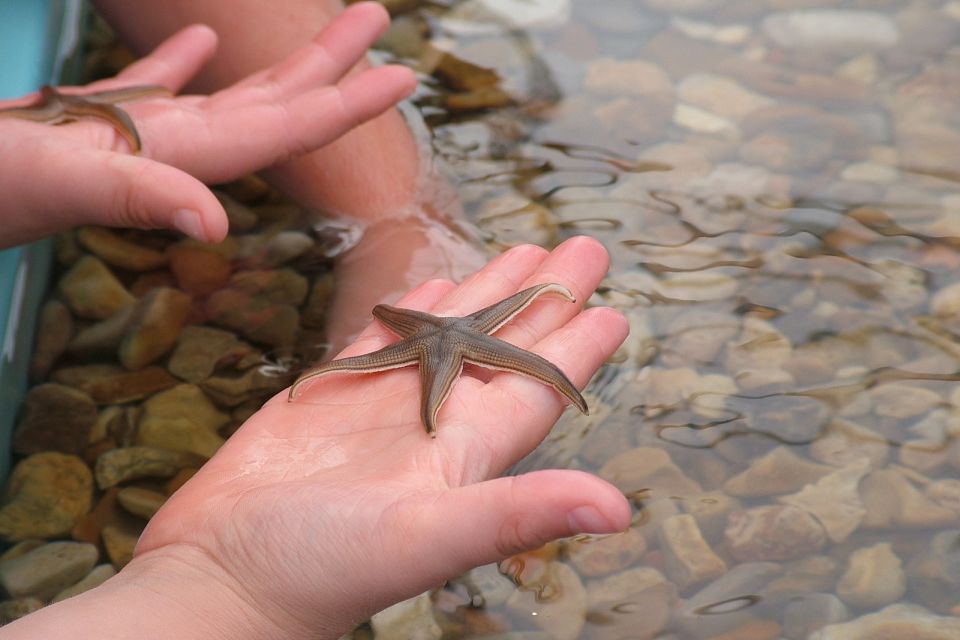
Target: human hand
(82,173)
(321,511)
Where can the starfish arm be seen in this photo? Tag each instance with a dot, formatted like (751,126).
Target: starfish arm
(394,356)
(403,322)
(439,369)
(497,354)
(496,315)
(128,94)
(114,116)
(48,109)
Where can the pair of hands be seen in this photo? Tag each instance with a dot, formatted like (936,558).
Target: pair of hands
(321,511)
(82,173)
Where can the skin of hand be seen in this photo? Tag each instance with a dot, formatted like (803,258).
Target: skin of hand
(82,173)
(319,512)
(377,174)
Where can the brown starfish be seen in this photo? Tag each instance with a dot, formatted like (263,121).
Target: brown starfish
(440,345)
(54,107)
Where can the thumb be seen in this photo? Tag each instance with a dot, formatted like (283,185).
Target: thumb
(78,186)
(492,520)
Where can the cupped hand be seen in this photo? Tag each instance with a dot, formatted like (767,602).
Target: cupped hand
(327,508)
(53,178)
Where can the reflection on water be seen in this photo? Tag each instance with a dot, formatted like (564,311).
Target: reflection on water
(776,182)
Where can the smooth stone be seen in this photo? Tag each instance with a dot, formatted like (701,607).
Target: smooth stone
(154,327)
(181,419)
(255,318)
(945,493)
(775,532)
(476,17)
(116,251)
(557,602)
(491,588)
(779,471)
(725,603)
(313,315)
(809,612)
(934,573)
(602,555)
(120,542)
(946,301)
(101,338)
(699,336)
(54,332)
(109,384)
(97,576)
(230,391)
(17,608)
(610,77)
(46,570)
(727,34)
(711,510)
(140,502)
(903,401)
(197,270)
(896,621)
(637,602)
(835,500)
(832,31)
(874,578)
(893,502)
(234,200)
(700,120)
(809,574)
(844,442)
(132,463)
(92,291)
(200,351)
(760,345)
(283,286)
(46,494)
(720,95)
(55,418)
(408,620)
(20,548)
(689,559)
(649,470)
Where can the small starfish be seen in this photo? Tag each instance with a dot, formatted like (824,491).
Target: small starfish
(440,345)
(54,107)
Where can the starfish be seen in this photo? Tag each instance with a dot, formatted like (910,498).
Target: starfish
(440,345)
(54,107)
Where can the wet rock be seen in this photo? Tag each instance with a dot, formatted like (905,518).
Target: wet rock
(55,418)
(598,556)
(711,510)
(109,384)
(120,542)
(280,248)
(689,559)
(140,502)
(16,608)
(934,573)
(101,338)
(726,603)
(809,612)
(946,301)
(891,501)
(945,493)
(116,251)
(610,77)
(701,121)
(20,548)
(92,291)
(97,576)
(835,500)
(254,318)
(902,401)
(558,600)
(46,495)
(200,351)
(132,463)
(874,578)
(54,331)
(832,31)
(46,570)
(896,621)
(759,346)
(773,533)
(637,602)
(283,286)
(810,574)
(512,220)
(181,419)
(720,95)
(779,471)
(240,216)
(154,327)
(198,271)
(494,16)
(844,442)
(489,586)
(411,619)
(230,391)
(699,336)
(649,470)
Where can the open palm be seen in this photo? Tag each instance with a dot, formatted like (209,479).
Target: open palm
(337,504)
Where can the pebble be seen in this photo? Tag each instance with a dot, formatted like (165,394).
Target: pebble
(832,31)
(477,17)
(16,608)
(55,417)
(726,603)
(946,301)
(411,619)
(488,587)
(92,291)
(649,470)
(556,602)
(610,77)
(903,401)
(97,576)
(835,500)
(689,559)
(197,270)
(637,602)
(46,494)
(720,95)
(891,501)
(140,502)
(255,318)
(200,351)
(181,419)
(132,463)
(809,612)
(54,332)
(154,327)
(779,471)
(934,573)
(116,251)
(874,578)
(711,510)
(594,556)
(844,442)
(101,339)
(110,384)
(48,569)
(120,540)
(895,621)
(775,532)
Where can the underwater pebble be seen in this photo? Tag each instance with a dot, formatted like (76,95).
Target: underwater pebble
(874,578)
(775,532)
(48,569)
(46,494)
(55,418)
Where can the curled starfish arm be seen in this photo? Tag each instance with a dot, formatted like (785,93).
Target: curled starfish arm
(394,356)
(497,354)
(438,372)
(491,318)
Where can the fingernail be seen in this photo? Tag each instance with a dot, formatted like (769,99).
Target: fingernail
(587,519)
(189,223)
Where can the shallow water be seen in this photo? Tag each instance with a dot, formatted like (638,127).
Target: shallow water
(777,185)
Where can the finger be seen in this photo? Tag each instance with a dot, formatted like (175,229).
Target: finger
(172,64)
(101,187)
(489,521)
(322,61)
